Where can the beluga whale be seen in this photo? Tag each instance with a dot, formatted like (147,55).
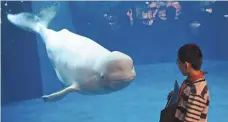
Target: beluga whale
(81,64)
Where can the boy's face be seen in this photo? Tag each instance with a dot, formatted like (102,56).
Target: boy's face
(184,67)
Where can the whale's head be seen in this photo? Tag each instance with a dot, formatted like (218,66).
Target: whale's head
(119,71)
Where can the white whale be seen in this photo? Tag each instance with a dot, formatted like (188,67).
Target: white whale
(80,63)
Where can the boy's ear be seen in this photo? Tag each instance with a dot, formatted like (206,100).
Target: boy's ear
(187,65)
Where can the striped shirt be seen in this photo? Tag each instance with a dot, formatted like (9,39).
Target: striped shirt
(193,102)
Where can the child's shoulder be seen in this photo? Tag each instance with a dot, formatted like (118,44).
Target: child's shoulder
(199,87)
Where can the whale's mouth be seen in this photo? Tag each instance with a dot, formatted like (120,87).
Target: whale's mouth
(118,79)
(130,78)
(117,85)
(127,79)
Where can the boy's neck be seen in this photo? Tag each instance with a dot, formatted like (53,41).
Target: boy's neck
(195,75)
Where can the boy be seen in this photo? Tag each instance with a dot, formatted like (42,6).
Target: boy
(193,97)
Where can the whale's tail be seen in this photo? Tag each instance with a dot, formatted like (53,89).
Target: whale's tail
(33,22)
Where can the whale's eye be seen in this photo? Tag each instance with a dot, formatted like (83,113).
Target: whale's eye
(120,68)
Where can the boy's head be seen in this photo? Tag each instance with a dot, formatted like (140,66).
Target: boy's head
(189,58)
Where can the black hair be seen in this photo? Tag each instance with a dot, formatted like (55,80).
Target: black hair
(192,54)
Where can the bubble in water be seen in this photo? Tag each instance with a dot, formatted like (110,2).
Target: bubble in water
(6,4)
(195,24)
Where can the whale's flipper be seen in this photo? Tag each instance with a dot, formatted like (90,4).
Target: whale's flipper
(60,94)
(31,21)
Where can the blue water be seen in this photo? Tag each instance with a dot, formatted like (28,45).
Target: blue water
(27,73)
(140,102)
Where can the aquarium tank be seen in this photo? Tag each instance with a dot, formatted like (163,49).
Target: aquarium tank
(108,61)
